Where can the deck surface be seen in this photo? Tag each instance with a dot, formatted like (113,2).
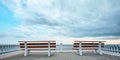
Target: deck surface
(63,56)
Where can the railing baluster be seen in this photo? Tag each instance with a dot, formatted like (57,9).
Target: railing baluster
(113,49)
(7,48)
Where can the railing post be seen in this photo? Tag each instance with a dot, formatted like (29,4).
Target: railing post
(3,49)
(109,48)
(49,48)
(0,50)
(117,49)
(61,47)
(114,49)
(80,48)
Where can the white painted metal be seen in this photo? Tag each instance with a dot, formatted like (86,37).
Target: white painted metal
(99,48)
(26,50)
(80,48)
(49,48)
(61,47)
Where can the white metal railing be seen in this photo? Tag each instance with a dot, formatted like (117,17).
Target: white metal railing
(64,47)
(112,49)
(7,48)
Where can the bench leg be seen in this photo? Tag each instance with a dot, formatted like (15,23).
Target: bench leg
(95,51)
(25,53)
(49,53)
(80,48)
(49,49)
(99,49)
(26,50)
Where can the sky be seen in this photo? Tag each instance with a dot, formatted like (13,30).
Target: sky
(59,20)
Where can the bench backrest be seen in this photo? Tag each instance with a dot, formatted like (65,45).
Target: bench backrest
(87,45)
(38,44)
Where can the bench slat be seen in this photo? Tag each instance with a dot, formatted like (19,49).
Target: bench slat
(88,43)
(38,47)
(38,43)
(86,48)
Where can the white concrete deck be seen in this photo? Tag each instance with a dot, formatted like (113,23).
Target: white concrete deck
(62,56)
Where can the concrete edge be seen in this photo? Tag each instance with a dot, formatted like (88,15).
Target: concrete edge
(11,54)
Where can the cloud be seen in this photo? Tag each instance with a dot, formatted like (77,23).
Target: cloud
(11,35)
(79,18)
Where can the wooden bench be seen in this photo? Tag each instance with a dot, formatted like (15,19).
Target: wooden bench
(37,45)
(88,45)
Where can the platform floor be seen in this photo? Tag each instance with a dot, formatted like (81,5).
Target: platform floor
(62,56)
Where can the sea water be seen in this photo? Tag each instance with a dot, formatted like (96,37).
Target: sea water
(64,47)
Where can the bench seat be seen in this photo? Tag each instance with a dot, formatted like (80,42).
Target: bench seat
(88,45)
(27,46)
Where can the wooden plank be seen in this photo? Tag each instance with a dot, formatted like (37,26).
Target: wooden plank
(90,48)
(86,48)
(39,49)
(88,45)
(38,46)
(89,41)
(38,43)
